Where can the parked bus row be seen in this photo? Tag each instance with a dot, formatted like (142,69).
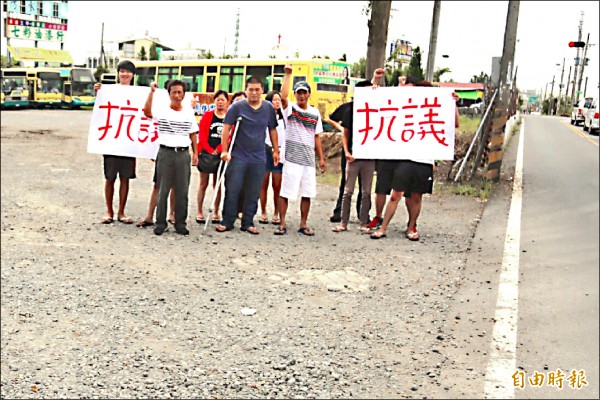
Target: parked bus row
(70,87)
(73,87)
(329,79)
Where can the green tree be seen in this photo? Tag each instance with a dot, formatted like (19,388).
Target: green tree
(153,53)
(415,71)
(482,78)
(359,68)
(209,55)
(142,55)
(439,72)
(99,71)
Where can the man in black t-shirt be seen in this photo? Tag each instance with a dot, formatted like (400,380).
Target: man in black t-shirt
(335,118)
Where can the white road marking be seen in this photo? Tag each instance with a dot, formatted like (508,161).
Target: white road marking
(499,383)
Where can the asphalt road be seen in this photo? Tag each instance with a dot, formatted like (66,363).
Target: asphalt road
(558,295)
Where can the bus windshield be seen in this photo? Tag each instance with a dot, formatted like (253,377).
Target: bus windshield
(50,82)
(14,83)
(82,82)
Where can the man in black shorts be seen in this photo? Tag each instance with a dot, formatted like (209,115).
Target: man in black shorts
(411,179)
(124,167)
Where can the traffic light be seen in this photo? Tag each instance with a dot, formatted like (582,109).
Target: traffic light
(576,44)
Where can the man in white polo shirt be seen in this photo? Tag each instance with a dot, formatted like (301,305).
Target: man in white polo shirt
(177,129)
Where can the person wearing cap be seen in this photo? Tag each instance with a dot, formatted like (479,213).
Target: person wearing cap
(303,126)
(124,167)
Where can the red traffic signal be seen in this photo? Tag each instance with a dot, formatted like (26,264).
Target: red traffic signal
(576,44)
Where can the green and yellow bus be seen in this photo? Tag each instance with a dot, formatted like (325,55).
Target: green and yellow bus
(45,87)
(15,91)
(78,87)
(329,79)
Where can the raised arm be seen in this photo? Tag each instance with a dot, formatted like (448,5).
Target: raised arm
(148,105)
(285,87)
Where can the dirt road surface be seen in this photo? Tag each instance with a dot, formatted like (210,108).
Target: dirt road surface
(93,310)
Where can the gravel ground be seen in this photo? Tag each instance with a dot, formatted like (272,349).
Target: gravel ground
(113,311)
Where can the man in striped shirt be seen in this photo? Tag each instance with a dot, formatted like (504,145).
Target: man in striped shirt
(177,130)
(303,126)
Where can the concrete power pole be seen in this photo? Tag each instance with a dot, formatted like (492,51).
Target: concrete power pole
(577,61)
(582,62)
(502,106)
(560,86)
(550,108)
(237,34)
(435,21)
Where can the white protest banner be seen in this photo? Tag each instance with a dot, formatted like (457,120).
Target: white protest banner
(119,127)
(403,123)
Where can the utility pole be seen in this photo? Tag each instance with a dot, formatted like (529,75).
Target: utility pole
(102,60)
(550,108)
(582,62)
(577,61)
(585,87)
(498,127)
(237,34)
(560,86)
(568,83)
(435,21)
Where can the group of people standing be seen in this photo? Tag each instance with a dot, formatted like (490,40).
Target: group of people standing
(251,141)
(241,140)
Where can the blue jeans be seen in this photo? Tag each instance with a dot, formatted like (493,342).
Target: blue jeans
(249,177)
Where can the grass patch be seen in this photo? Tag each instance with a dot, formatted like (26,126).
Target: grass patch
(329,178)
(481,189)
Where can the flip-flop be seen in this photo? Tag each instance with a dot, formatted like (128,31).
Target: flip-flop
(199,220)
(216,221)
(306,231)
(251,230)
(281,230)
(413,236)
(339,229)
(263,221)
(126,220)
(143,224)
(171,221)
(222,228)
(107,220)
(377,235)
(276,221)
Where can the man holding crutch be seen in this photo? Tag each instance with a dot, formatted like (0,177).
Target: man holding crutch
(247,158)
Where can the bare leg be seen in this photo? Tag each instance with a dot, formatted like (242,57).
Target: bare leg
(201,193)
(413,206)
(152,204)
(379,204)
(263,196)
(123,192)
(390,210)
(283,206)
(304,209)
(109,191)
(276,183)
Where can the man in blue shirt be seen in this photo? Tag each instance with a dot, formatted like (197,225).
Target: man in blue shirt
(247,157)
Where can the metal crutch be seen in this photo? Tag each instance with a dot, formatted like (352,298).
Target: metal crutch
(221,175)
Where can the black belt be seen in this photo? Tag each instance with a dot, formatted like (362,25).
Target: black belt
(162,146)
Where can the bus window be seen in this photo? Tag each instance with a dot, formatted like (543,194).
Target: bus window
(145,75)
(210,84)
(82,83)
(231,79)
(50,82)
(278,74)
(193,77)
(167,74)
(262,73)
(298,78)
